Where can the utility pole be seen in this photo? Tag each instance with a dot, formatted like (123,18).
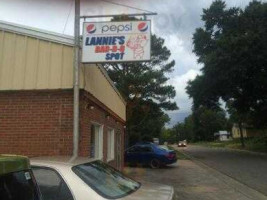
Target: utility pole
(76,87)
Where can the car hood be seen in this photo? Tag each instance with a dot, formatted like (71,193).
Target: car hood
(151,191)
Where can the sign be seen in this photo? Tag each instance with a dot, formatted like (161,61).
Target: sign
(107,42)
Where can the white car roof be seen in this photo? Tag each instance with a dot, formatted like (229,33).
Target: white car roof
(60,160)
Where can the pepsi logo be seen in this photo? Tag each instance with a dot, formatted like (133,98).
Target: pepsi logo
(91,28)
(143,27)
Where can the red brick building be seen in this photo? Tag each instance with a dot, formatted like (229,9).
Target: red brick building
(36,99)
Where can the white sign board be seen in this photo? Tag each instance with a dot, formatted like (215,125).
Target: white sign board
(107,42)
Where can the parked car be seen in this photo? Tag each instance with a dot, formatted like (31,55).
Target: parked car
(16,179)
(164,147)
(63,178)
(182,143)
(149,154)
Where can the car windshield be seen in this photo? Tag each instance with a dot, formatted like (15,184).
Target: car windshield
(105,180)
(18,186)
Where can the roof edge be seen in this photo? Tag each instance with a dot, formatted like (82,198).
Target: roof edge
(37,33)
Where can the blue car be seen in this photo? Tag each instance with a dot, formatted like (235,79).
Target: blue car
(149,154)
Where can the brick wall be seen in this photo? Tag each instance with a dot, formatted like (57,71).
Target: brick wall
(32,123)
(40,123)
(102,117)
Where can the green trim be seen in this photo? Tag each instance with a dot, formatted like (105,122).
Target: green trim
(13,163)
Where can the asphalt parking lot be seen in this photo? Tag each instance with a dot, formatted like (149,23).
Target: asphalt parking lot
(195,181)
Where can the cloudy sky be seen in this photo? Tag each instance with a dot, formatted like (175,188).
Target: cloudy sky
(175,22)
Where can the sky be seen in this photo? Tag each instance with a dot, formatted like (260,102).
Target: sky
(176,22)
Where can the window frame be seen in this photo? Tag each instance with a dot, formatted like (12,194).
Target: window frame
(99,140)
(59,175)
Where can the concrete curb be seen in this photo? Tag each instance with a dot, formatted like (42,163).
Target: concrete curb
(230,181)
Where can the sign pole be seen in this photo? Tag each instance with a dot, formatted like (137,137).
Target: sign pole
(76,63)
(76,87)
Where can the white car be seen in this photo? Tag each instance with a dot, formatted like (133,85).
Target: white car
(60,178)
(182,143)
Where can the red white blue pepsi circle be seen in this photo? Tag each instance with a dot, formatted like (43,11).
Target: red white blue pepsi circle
(143,27)
(91,28)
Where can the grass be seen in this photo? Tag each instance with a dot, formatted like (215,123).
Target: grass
(252,144)
(180,155)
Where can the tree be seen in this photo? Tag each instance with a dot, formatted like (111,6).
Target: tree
(144,86)
(147,80)
(232,45)
(146,121)
(184,130)
(167,135)
(209,122)
(201,125)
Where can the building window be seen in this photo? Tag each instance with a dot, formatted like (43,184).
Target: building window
(110,142)
(96,142)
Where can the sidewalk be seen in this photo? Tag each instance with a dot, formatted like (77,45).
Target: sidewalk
(195,181)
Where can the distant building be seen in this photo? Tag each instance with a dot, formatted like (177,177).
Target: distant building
(222,136)
(248,131)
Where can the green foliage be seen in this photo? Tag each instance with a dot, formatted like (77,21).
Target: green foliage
(145,89)
(185,130)
(207,122)
(147,80)
(252,144)
(232,46)
(167,135)
(146,121)
(200,126)
(179,154)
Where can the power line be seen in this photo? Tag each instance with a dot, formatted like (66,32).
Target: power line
(123,5)
(71,6)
